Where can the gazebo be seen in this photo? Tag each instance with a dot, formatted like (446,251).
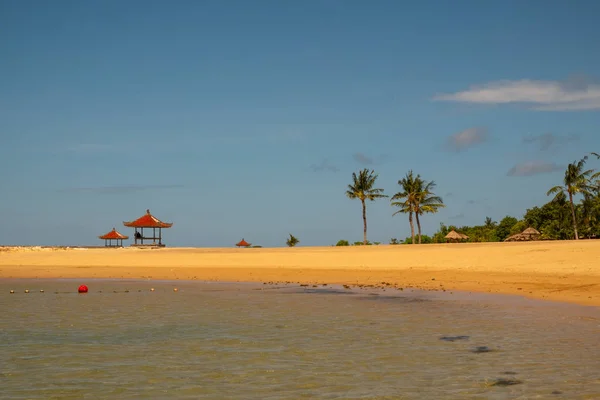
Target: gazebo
(243,243)
(148,221)
(113,235)
(454,236)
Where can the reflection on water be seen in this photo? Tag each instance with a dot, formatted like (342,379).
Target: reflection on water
(242,341)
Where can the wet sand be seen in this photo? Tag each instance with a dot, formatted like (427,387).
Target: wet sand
(567,271)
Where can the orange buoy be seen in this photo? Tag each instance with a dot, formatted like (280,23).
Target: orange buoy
(82,289)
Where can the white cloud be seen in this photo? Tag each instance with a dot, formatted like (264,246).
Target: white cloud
(529,168)
(467,138)
(576,93)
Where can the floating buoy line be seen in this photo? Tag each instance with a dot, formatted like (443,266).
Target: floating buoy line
(84,289)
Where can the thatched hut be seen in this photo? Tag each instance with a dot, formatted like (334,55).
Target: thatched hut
(532,232)
(454,237)
(527,235)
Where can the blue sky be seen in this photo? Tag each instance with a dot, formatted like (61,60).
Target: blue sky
(246,119)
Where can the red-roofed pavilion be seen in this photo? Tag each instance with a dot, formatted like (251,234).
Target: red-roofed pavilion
(113,235)
(147,221)
(243,243)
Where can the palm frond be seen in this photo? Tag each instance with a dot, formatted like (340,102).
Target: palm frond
(555,190)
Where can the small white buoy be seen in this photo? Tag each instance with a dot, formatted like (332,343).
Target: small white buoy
(26,290)
(175,289)
(12,292)
(152,289)
(41,290)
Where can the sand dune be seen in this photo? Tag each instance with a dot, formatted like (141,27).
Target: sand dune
(563,271)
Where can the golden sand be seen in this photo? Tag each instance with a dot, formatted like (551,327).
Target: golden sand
(563,270)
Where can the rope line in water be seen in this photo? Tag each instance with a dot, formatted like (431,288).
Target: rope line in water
(27,291)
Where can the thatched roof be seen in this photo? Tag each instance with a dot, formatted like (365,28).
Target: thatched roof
(530,231)
(517,238)
(527,235)
(453,235)
(463,235)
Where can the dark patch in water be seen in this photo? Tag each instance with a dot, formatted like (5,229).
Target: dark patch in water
(323,291)
(482,349)
(509,373)
(556,392)
(454,338)
(505,382)
(402,299)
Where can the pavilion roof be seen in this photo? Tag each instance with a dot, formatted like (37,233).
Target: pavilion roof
(114,234)
(148,221)
(243,243)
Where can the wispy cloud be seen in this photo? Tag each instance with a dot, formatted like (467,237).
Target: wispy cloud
(468,138)
(324,166)
(546,141)
(366,160)
(575,93)
(90,148)
(530,168)
(362,158)
(121,189)
(483,203)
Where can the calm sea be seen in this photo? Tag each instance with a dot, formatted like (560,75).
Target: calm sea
(246,341)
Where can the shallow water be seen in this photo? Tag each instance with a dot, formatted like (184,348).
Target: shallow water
(246,341)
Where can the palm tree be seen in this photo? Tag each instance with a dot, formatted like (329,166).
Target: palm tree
(405,199)
(425,201)
(576,181)
(362,188)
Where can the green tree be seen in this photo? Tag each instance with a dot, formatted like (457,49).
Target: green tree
(404,200)
(553,219)
(504,227)
(363,188)
(342,242)
(292,241)
(576,181)
(425,201)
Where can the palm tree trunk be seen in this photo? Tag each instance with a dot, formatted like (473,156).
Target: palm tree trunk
(418,226)
(573,215)
(364,207)
(412,227)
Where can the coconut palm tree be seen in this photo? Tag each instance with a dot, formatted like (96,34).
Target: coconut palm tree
(425,201)
(363,188)
(576,181)
(405,199)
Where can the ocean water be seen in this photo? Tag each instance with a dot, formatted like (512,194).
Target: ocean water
(249,341)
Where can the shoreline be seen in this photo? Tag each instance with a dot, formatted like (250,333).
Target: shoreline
(565,271)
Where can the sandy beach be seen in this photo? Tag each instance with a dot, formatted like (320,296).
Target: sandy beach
(565,271)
